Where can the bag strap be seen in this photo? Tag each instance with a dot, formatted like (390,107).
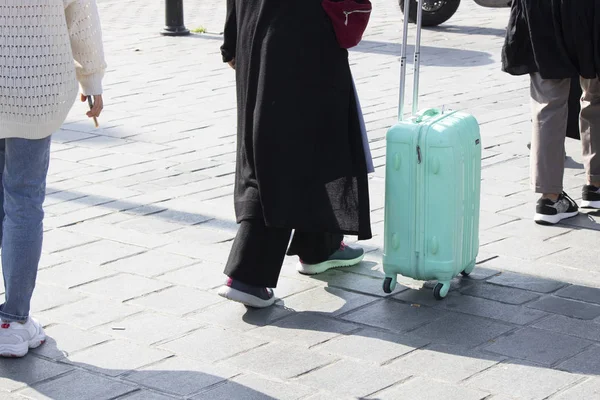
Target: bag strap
(417,59)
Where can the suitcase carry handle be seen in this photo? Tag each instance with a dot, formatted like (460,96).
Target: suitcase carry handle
(426,114)
(417,59)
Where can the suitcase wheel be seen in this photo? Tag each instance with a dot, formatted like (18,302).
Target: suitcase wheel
(468,270)
(441,290)
(389,284)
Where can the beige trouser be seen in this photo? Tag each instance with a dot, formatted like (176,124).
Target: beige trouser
(549,105)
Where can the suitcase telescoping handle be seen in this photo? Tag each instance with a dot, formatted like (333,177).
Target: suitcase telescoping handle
(417,59)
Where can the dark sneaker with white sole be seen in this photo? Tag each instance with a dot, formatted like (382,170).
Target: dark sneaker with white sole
(590,197)
(346,256)
(251,296)
(550,212)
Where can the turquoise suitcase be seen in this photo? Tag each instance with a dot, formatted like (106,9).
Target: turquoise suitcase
(432,191)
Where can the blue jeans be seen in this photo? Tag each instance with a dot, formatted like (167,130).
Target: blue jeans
(25,166)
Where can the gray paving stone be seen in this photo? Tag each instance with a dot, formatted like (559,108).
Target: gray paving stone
(122,287)
(449,363)
(254,387)
(101,252)
(181,376)
(429,389)
(306,329)
(366,379)
(418,297)
(502,397)
(146,395)
(46,297)
(324,395)
(575,257)
(287,287)
(26,371)
(72,273)
(119,234)
(151,263)
(372,345)
(216,253)
(581,293)
(491,309)
(63,340)
(395,316)
(559,273)
(539,346)
(589,389)
(481,272)
(570,308)
(527,282)
(236,316)
(460,329)
(570,326)
(116,357)
(523,381)
(178,300)
(203,235)
(354,282)
(585,363)
(201,276)
(78,385)
(528,249)
(87,313)
(489,220)
(500,293)
(285,360)
(527,229)
(76,217)
(212,344)
(142,328)
(51,260)
(151,224)
(326,300)
(61,239)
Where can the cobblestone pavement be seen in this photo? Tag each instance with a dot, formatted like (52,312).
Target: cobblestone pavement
(140,220)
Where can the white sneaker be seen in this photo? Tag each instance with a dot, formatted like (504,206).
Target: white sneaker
(16,339)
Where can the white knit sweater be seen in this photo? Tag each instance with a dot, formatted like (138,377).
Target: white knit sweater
(46,47)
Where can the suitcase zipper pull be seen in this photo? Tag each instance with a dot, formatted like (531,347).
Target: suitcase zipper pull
(418,154)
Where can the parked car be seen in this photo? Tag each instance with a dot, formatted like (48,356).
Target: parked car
(436,12)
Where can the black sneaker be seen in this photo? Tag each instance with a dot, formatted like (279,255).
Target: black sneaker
(550,212)
(591,197)
(251,296)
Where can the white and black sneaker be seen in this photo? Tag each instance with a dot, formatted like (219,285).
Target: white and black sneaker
(248,295)
(550,212)
(590,197)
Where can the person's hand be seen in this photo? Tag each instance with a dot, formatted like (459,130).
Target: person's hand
(97,108)
(232,63)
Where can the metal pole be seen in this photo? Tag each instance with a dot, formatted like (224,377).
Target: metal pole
(174,19)
(417,62)
(403,61)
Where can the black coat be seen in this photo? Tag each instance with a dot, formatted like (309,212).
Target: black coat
(300,161)
(558,38)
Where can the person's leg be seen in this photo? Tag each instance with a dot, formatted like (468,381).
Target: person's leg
(24,184)
(590,141)
(549,103)
(319,252)
(254,263)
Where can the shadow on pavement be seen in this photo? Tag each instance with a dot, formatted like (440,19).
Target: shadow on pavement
(469,30)
(430,55)
(36,376)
